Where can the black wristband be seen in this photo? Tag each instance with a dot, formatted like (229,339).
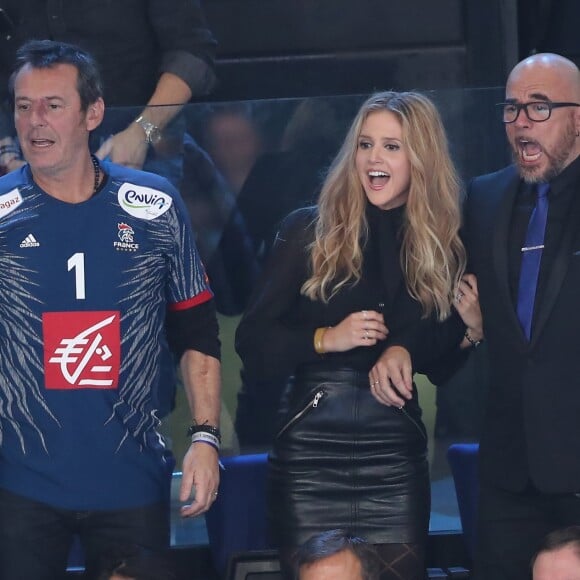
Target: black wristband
(474,343)
(205,428)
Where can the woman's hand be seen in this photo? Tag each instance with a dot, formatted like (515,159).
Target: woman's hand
(391,378)
(364,328)
(467,305)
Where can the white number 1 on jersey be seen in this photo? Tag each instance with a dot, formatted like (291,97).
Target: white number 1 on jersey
(77,261)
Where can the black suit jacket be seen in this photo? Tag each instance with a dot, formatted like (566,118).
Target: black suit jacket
(532,426)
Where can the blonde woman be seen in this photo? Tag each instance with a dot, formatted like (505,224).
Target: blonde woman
(378,256)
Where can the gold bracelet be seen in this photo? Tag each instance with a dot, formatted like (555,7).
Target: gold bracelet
(318,337)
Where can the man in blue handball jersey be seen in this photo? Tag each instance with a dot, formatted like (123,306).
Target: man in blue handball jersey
(96,261)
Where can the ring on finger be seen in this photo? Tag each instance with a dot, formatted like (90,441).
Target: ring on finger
(366,334)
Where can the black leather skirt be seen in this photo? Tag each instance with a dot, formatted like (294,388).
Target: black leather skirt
(343,460)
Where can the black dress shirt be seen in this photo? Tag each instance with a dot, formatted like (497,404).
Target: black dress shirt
(275,335)
(133,41)
(563,188)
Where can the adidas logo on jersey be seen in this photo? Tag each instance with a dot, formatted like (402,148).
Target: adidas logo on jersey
(29,242)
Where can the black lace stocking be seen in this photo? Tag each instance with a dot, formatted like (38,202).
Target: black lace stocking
(398,562)
(402,561)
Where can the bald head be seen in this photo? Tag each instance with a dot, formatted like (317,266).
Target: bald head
(548,65)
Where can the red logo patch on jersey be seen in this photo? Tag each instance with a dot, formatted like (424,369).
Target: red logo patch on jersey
(82,350)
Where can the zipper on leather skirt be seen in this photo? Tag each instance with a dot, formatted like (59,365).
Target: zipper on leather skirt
(415,423)
(312,404)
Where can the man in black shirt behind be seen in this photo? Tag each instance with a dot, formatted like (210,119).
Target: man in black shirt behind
(150,52)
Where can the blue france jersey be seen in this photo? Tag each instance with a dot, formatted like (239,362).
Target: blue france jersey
(84,290)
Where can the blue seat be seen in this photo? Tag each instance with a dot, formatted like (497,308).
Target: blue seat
(462,459)
(237,520)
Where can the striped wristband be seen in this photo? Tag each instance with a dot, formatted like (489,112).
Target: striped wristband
(203,437)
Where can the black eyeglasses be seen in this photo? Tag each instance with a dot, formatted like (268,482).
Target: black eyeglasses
(537,111)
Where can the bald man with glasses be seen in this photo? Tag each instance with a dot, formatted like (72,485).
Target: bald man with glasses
(523,239)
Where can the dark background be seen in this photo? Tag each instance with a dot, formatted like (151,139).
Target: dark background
(294,48)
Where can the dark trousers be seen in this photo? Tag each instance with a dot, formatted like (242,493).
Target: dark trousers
(35,538)
(512,525)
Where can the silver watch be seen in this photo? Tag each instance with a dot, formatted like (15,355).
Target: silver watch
(152,132)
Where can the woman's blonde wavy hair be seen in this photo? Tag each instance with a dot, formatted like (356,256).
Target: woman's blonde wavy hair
(432,254)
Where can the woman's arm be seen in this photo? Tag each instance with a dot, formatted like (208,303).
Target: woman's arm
(269,339)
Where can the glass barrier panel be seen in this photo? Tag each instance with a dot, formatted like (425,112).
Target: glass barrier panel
(240,168)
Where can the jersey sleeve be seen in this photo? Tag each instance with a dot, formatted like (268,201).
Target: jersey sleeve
(187,283)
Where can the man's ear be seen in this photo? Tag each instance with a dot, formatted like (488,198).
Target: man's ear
(95,114)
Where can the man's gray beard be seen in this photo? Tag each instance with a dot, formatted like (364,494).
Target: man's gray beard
(556,162)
